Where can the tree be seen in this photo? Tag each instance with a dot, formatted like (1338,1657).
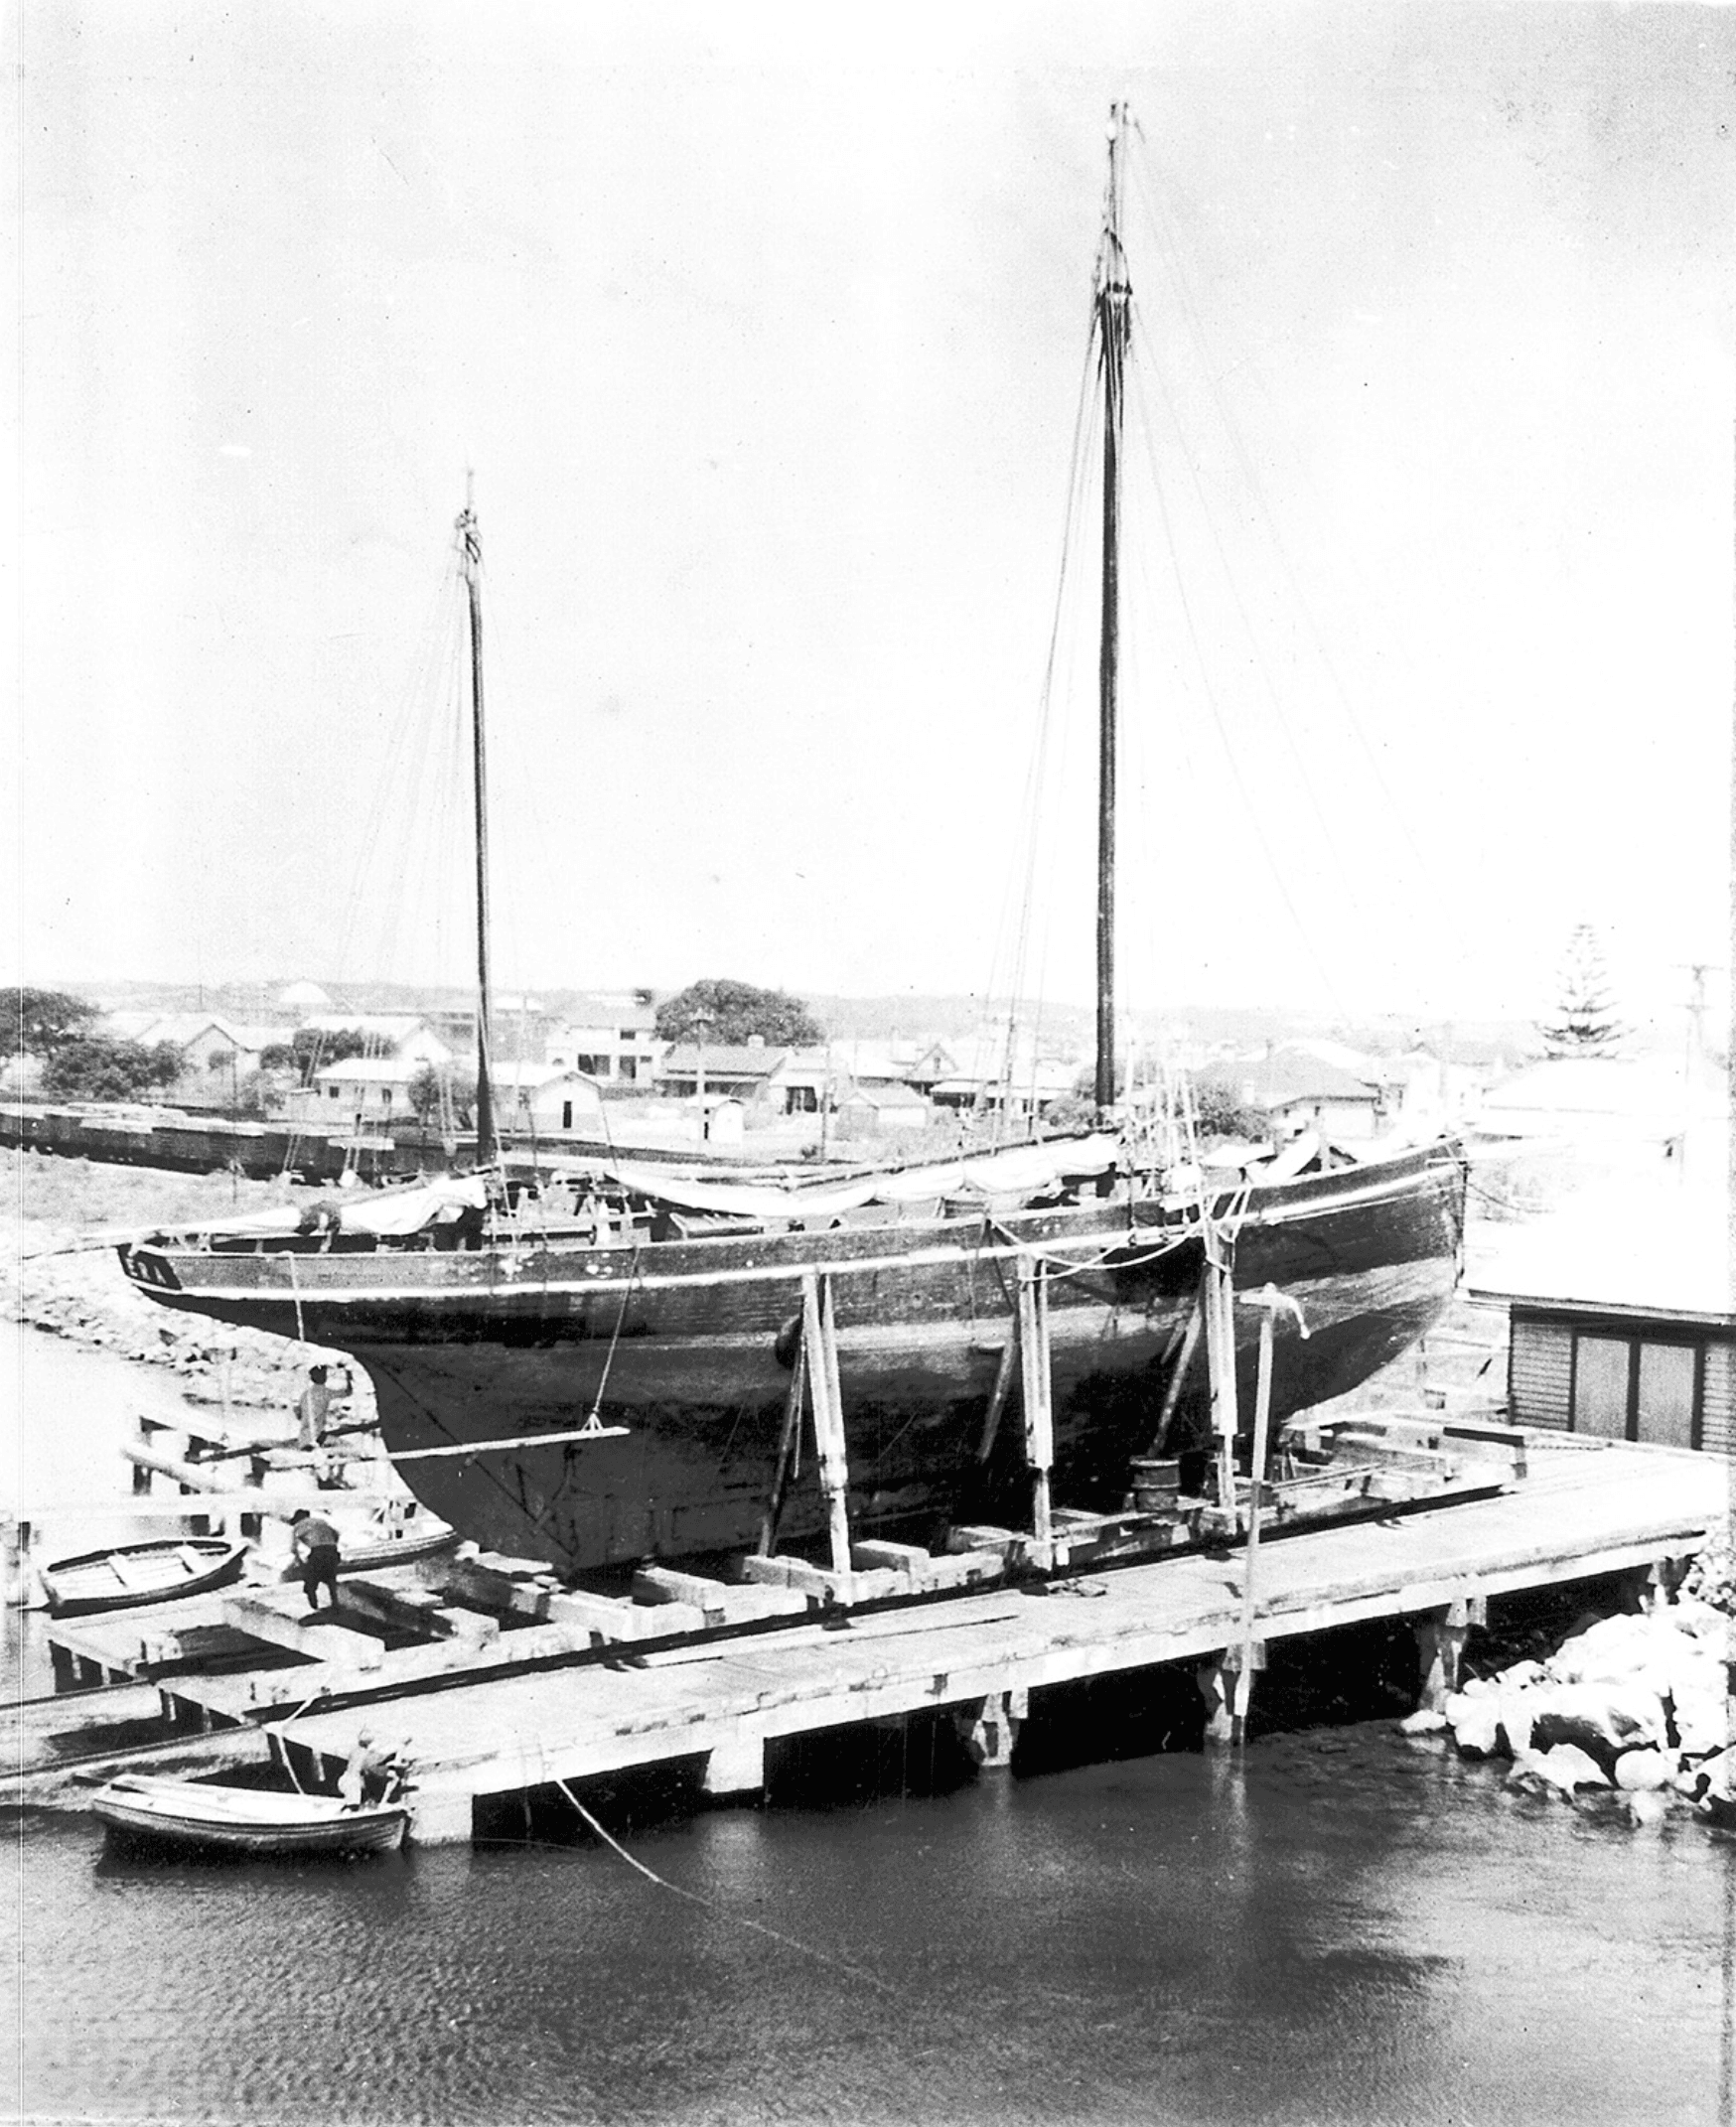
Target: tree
(39,1021)
(733,1013)
(1221,1112)
(97,1067)
(1585,1023)
(424,1092)
(310,1048)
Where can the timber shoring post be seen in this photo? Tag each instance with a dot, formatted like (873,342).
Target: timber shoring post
(774,1513)
(1218,1299)
(1004,1374)
(819,1333)
(1171,1394)
(1440,1648)
(1036,1395)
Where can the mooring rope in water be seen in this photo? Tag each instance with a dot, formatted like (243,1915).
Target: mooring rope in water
(740,1919)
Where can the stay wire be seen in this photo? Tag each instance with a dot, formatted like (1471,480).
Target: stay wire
(1203,665)
(1427,871)
(1259,658)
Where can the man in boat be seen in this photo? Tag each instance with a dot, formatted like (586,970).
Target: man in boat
(314,1409)
(314,1544)
(374,1775)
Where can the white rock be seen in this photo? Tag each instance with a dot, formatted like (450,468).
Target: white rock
(1424,1721)
(1644,1771)
(1516,1709)
(1566,1767)
(1476,1727)
(1647,1808)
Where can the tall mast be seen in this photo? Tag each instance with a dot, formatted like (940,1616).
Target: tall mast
(470,550)
(1114,298)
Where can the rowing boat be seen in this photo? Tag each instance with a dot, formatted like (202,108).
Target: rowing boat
(245,1820)
(136,1573)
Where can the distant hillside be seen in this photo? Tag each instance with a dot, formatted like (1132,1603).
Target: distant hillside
(904,1016)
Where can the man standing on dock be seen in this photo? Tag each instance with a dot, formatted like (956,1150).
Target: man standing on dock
(314,1409)
(314,1544)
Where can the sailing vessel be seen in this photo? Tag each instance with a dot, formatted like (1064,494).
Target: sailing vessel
(619,1387)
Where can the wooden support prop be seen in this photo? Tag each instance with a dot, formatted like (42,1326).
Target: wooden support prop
(819,1333)
(989,1727)
(787,1445)
(1217,1305)
(1004,1375)
(736,1767)
(1035,1389)
(1269,1301)
(1171,1394)
(1440,1649)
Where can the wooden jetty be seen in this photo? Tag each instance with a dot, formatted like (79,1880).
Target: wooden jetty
(499,1680)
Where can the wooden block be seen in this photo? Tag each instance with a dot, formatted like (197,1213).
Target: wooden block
(747,1603)
(518,1595)
(907,1558)
(605,1617)
(467,1625)
(964,1569)
(514,1569)
(1008,1544)
(787,1573)
(659,1583)
(275,1617)
(412,1609)
(825,1586)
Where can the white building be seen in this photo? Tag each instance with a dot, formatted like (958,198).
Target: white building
(546,1101)
(611,1036)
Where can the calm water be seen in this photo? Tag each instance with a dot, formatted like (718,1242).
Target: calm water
(1340,1927)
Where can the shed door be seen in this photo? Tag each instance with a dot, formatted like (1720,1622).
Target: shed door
(1666,1394)
(1599,1386)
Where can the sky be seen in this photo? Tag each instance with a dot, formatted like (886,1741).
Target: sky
(762,330)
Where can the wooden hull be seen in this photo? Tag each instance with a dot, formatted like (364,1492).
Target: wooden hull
(132,1575)
(687,1345)
(236,1820)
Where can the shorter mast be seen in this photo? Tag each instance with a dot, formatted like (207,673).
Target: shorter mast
(469,549)
(1113,298)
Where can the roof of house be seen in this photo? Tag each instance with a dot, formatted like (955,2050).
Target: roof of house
(727,1060)
(1634,1088)
(1651,1241)
(529,1078)
(884,1097)
(184,1028)
(1286,1075)
(371,1070)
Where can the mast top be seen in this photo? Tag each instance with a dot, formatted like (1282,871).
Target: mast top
(470,543)
(1112,258)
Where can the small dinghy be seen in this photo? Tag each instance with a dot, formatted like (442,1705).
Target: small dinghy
(245,1820)
(135,1573)
(385,1542)
(388,1543)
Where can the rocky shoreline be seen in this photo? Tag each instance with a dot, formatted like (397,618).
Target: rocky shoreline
(1629,1713)
(61,1278)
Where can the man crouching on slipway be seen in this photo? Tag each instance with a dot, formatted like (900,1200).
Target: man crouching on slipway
(314,1544)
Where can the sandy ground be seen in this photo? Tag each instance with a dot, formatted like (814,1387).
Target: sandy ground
(58,1277)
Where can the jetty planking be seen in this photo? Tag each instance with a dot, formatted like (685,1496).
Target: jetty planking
(496,1703)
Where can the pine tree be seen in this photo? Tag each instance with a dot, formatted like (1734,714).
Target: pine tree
(1585,1023)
